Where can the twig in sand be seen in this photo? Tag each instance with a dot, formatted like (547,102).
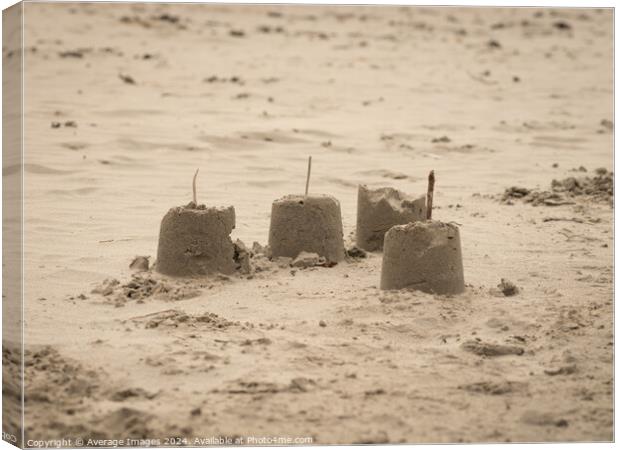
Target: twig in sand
(144,316)
(429,195)
(115,240)
(308,175)
(562,219)
(194,187)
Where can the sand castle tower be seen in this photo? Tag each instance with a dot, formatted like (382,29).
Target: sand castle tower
(378,210)
(423,255)
(195,240)
(306,223)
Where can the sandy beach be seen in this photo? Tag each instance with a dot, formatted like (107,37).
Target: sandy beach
(124,102)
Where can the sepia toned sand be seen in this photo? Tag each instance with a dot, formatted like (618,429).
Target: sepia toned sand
(124,102)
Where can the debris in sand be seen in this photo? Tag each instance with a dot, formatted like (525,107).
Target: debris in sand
(258,249)
(608,124)
(564,370)
(516,192)
(259,341)
(562,219)
(266,29)
(442,139)
(67,124)
(233,80)
(241,257)
(494,388)
(356,252)
(174,318)
(562,25)
(543,419)
(283,262)
(482,78)
(487,349)
(598,188)
(301,384)
(141,287)
(124,394)
(494,44)
(322,323)
(296,385)
(254,387)
(140,264)
(126,79)
(306,259)
(536,198)
(71,54)
(167,18)
(106,287)
(507,287)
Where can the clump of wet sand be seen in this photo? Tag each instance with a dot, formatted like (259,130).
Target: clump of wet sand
(599,188)
(142,286)
(174,318)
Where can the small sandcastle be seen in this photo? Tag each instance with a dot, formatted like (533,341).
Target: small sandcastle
(419,254)
(378,210)
(306,223)
(423,255)
(195,240)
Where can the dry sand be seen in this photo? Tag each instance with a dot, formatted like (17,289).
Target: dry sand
(124,102)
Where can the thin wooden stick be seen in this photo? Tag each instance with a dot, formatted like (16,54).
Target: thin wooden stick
(429,195)
(308,176)
(194,187)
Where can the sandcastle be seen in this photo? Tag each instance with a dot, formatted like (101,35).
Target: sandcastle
(378,210)
(306,223)
(195,240)
(425,256)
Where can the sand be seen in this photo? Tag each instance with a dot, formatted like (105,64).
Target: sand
(124,102)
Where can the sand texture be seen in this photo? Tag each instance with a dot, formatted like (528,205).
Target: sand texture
(125,101)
